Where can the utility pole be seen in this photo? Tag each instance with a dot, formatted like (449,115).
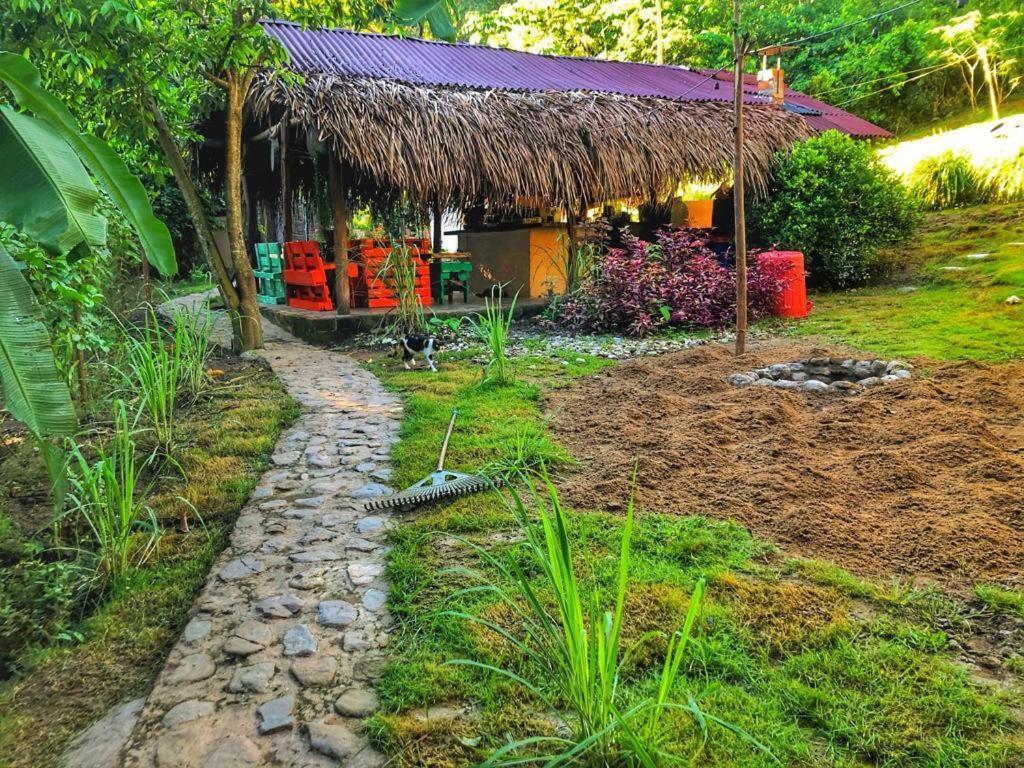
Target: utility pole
(739,45)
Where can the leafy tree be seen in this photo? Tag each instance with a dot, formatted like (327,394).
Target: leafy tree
(47,194)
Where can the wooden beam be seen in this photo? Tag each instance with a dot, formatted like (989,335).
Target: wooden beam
(572,254)
(286,187)
(339,207)
(435,212)
(739,45)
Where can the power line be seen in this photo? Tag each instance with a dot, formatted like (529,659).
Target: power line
(841,27)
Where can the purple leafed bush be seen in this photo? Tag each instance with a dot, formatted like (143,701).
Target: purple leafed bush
(673,281)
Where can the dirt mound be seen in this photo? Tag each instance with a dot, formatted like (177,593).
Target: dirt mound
(923,477)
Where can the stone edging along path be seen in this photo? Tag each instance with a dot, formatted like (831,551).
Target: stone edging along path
(279,658)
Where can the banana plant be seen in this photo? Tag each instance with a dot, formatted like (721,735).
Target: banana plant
(48,194)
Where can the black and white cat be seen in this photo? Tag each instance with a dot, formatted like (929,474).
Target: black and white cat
(422,345)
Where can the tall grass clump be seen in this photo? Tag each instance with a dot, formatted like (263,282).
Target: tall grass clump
(153,369)
(399,274)
(573,649)
(492,328)
(1006,179)
(106,495)
(191,338)
(949,180)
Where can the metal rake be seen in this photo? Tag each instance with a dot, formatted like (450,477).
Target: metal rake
(439,484)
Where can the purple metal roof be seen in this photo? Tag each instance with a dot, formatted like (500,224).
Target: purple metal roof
(431,62)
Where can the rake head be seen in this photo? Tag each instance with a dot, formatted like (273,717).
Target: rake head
(443,484)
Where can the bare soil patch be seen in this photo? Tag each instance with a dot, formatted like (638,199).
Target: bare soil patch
(923,477)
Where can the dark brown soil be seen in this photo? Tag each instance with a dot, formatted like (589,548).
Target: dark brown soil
(919,478)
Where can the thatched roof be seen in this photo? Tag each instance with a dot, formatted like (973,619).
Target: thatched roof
(459,143)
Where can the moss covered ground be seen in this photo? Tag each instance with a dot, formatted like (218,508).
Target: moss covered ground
(113,655)
(823,668)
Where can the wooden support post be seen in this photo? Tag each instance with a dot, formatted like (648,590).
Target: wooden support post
(435,213)
(339,207)
(739,44)
(571,252)
(286,187)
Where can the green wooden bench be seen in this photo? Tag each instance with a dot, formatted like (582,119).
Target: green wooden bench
(447,277)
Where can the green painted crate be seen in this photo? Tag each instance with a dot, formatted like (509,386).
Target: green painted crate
(269,288)
(268,258)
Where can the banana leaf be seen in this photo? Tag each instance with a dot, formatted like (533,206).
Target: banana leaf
(44,190)
(434,12)
(124,189)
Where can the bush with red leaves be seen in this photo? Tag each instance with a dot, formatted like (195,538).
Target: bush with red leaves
(675,281)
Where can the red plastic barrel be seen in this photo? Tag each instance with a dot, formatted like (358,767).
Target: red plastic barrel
(793,300)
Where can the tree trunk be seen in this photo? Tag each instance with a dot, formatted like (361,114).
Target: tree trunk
(248,307)
(990,81)
(194,205)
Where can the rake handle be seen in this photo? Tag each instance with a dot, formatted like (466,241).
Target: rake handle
(447,437)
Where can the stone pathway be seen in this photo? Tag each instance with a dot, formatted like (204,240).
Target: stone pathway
(278,661)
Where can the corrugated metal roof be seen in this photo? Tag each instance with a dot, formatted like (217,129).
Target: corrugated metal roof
(431,62)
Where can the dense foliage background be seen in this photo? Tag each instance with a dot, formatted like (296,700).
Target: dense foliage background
(900,71)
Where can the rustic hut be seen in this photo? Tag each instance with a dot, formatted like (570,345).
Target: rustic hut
(451,125)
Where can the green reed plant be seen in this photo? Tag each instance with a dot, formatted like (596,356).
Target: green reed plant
(492,328)
(153,369)
(573,648)
(106,494)
(399,274)
(190,336)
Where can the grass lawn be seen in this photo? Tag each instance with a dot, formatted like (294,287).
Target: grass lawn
(946,305)
(821,667)
(224,440)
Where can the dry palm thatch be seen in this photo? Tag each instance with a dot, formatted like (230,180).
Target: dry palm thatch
(458,145)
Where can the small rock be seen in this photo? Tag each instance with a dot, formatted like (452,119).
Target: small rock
(315,671)
(313,502)
(313,535)
(336,613)
(902,374)
(369,525)
(299,641)
(1012,300)
(232,751)
(279,606)
(248,638)
(243,567)
(306,581)
(194,667)
(357,702)
(890,378)
(299,513)
(252,679)
(357,641)
(366,466)
(371,491)
(364,573)
(196,630)
(285,458)
(870,381)
(814,386)
(374,599)
(314,556)
(274,544)
(361,545)
(276,715)
(739,380)
(332,739)
(187,711)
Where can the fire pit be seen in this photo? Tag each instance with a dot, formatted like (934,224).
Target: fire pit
(824,374)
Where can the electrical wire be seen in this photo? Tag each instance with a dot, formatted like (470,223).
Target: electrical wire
(847,25)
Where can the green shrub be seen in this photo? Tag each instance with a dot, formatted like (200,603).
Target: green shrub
(949,180)
(40,600)
(834,201)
